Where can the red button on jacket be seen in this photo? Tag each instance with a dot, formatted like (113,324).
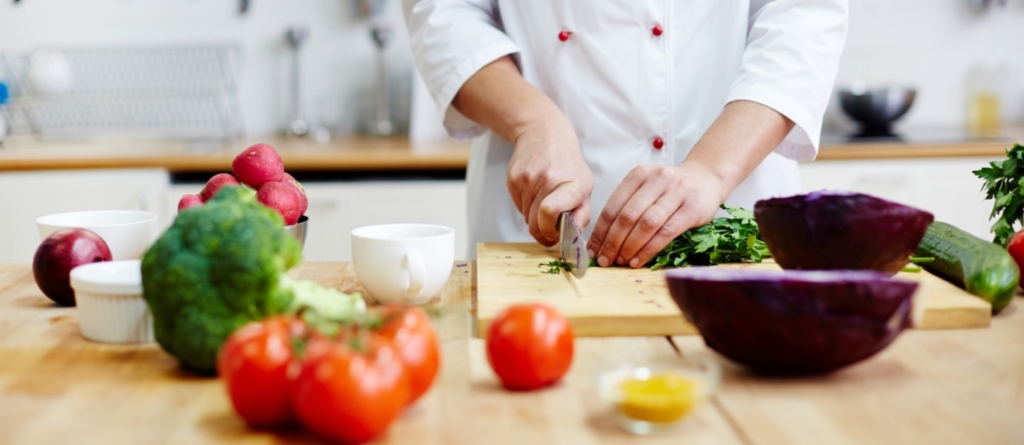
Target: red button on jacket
(564,35)
(657,30)
(658,143)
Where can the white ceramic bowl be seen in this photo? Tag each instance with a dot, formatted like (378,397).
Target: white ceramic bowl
(128,233)
(109,300)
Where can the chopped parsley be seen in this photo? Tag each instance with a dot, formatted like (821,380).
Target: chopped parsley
(733,239)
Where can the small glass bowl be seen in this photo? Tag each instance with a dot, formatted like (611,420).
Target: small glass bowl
(653,395)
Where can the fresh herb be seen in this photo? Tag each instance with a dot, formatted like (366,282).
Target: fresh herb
(734,239)
(554,267)
(914,261)
(1002,183)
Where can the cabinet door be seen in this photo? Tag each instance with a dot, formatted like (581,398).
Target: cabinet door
(944,186)
(29,195)
(336,208)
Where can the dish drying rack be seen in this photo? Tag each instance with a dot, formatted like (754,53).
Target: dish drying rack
(175,92)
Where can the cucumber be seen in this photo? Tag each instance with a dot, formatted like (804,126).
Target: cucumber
(980,267)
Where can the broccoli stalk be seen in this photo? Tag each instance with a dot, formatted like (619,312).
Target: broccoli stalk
(328,303)
(220,266)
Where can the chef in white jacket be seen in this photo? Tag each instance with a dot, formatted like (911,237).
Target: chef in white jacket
(650,112)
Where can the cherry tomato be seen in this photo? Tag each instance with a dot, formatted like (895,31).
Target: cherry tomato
(529,346)
(254,364)
(350,390)
(410,330)
(1016,248)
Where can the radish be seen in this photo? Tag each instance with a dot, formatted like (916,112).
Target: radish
(189,201)
(258,165)
(289,179)
(214,185)
(283,197)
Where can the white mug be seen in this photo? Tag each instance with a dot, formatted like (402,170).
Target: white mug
(403,263)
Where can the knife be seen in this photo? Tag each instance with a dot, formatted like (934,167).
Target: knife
(573,247)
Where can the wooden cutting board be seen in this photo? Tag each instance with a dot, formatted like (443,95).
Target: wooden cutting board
(620,301)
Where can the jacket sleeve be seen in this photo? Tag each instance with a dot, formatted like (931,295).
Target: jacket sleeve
(790,65)
(452,40)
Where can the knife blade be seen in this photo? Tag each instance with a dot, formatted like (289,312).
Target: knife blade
(573,247)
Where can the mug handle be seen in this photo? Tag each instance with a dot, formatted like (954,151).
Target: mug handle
(417,273)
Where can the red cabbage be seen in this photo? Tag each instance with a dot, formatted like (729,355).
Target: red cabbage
(829,230)
(793,322)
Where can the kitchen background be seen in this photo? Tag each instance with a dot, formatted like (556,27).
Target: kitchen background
(933,45)
(950,51)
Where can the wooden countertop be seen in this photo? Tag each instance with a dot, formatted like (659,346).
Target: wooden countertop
(347,154)
(900,150)
(935,387)
(366,153)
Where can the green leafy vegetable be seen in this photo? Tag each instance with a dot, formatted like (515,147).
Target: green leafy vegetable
(1002,183)
(734,239)
(554,267)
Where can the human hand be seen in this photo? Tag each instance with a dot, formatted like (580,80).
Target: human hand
(653,205)
(547,176)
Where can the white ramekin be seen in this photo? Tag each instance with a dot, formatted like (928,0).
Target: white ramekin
(110,304)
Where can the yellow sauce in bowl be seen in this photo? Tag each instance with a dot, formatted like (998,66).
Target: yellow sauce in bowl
(662,398)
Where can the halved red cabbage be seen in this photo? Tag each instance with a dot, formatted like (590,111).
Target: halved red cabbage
(829,230)
(793,322)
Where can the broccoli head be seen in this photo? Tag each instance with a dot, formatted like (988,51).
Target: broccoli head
(216,268)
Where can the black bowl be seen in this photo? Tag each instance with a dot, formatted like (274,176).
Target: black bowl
(793,322)
(876,108)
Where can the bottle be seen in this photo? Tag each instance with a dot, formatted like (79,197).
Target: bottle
(984,89)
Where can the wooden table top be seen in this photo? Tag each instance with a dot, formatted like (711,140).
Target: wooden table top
(963,386)
(343,154)
(368,153)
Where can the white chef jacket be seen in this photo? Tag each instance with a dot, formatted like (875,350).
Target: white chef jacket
(640,81)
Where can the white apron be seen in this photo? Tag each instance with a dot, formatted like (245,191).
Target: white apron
(640,81)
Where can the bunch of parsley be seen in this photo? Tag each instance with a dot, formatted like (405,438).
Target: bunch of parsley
(724,240)
(1003,184)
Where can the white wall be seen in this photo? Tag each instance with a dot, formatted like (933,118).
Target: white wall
(930,44)
(339,56)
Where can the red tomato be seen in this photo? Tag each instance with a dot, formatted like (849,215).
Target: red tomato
(347,394)
(1016,248)
(254,364)
(529,346)
(410,330)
